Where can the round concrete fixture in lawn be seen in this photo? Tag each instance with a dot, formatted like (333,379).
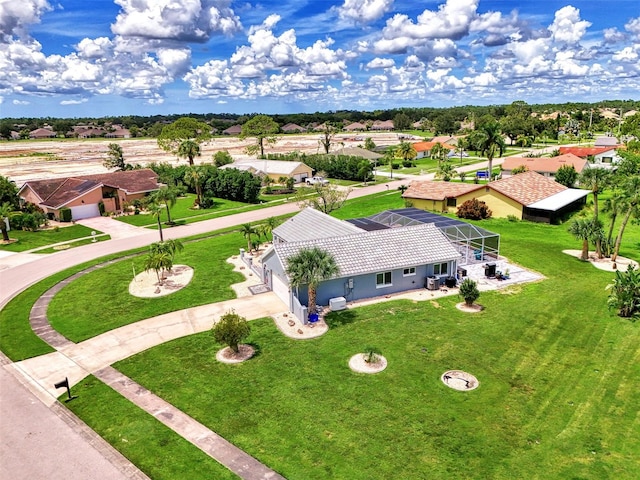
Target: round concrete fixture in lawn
(459,380)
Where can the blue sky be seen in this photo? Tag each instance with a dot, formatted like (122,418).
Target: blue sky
(96,58)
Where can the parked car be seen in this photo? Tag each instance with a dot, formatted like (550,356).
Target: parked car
(317,180)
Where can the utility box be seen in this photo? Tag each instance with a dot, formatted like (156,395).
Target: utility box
(432,283)
(490,270)
(337,303)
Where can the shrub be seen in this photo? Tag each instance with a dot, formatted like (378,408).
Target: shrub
(395,165)
(469,291)
(407,163)
(65,214)
(513,218)
(473,209)
(101,208)
(231,329)
(371,355)
(625,293)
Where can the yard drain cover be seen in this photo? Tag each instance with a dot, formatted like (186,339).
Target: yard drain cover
(459,380)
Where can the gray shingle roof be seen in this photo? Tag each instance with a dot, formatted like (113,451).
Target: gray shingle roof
(310,224)
(381,250)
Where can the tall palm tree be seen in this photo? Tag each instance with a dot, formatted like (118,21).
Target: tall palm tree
(613,207)
(189,149)
(310,266)
(167,196)
(170,247)
(596,180)
(156,211)
(631,207)
(492,143)
(5,210)
(158,262)
(195,176)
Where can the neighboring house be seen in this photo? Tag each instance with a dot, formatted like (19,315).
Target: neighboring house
(293,128)
(606,141)
(119,133)
(91,132)
(83,194)
(382,125)
(356,127)
(42,133)
(600,156)
(371,263)
(274,169)
(423,149)
(446,139)
(233,130)
(543,165)
(359,152)
(527,196)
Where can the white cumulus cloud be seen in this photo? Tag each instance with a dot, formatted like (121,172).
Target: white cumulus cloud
(364,11)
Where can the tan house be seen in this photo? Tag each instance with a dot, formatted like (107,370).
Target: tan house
(542,165)
(84,194)
(293,128)
(275,169)
(355,127)
(233,130)
(379,125)
(527,196)
(42,133)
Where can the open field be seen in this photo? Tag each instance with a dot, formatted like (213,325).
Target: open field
(37,159)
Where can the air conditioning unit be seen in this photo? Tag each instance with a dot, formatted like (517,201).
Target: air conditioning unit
(337,303)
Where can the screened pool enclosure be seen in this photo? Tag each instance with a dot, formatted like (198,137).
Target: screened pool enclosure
(475,244)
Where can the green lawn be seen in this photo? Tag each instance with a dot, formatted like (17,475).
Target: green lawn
(100,301)
(557,371)
(41,238)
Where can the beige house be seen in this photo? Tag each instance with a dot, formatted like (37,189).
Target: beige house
(527,196)
(542,165)
(84,194)
(275,169)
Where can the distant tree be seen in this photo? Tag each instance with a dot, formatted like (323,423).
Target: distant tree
(263,129)
(6,128)
(311,266)
(62,127)
(222,157)
(445,123)
(115,158)
(327,132)
(401,121)
(369,144)
(182,130)
(567,176)
(230,330)
(327,198)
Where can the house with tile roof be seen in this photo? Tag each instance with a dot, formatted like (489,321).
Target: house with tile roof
(386,125)
(42,133)
(370,263)
(233,130)
(527,196)
(543,165)
(85,194)
(605,156)
(355,127)
(423,149)
(293,128)
(274,169)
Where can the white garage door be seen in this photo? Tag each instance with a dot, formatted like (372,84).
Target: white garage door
(85,211)
(281,289)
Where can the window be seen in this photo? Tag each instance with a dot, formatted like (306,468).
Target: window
(383,279)
(452,202)
(407,272)
(440,268)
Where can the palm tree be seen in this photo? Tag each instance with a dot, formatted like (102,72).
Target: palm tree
(167,196)
(156,211)
(596,180)
(5,210)
(310,266)
(248,231)
(195,177)
(170,247)
(492,143)
(613,207)
(582,229)
(158,262)
(406,151)
(189,149)
(438,152)
(631,206)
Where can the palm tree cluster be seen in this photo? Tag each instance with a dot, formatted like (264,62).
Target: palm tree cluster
(161,257)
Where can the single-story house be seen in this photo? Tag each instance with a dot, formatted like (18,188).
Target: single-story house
(233,130)
(382,125)
(371,263)
(275,169)
(423,149)
(449,140)
(600,156)
(543,165)
(42,133)
(119,133)
(355,127)
(359,152)
(83,194)
(527,196)
(293,128)
(606,141)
